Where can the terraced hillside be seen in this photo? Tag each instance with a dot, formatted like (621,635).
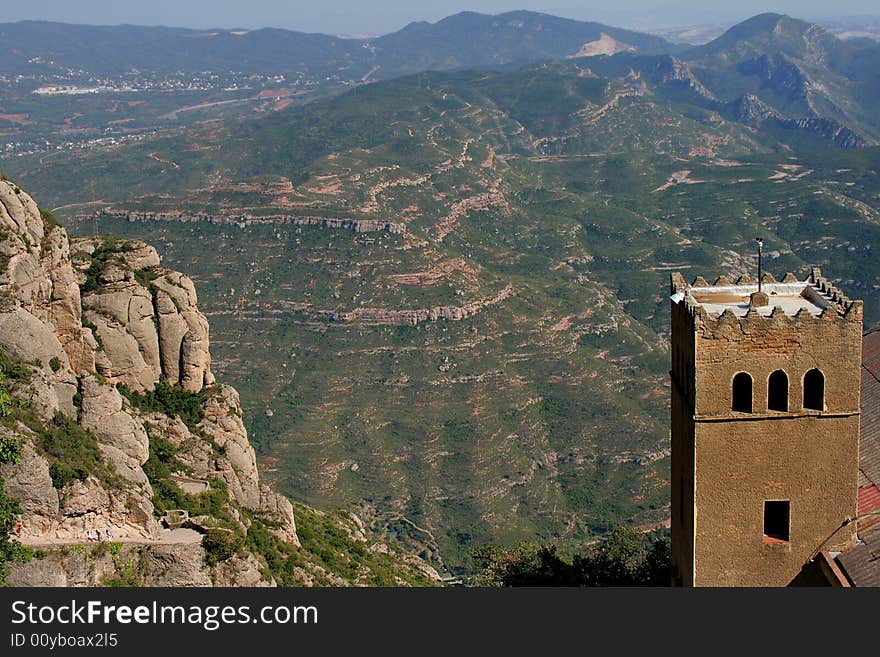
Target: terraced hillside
(442,297)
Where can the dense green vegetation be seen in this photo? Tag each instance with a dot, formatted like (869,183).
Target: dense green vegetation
(160,465)
(172,400)
(220,544)
(10,549)
(627,557)
(72,452)
(10,452)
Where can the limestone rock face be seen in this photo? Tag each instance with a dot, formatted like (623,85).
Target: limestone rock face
(174,565)
(39,572)
(279,509)
(22,236)
(85,497)
(38,272)
(185,356)
(160,565)
(85,315)
(238,465)
(146,317)
(29,482)
(48,395)
(65,307)
(19,212)
(122,311)
(102,412)
(240,571)
(27,338)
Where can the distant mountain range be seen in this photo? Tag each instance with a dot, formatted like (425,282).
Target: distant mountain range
(771,67)
(463,40)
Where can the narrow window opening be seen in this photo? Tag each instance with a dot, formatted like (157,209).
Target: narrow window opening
(777,517)
(777,391)
(742,393)
(814,390)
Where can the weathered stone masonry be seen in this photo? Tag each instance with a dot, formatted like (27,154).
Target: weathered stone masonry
(726,464)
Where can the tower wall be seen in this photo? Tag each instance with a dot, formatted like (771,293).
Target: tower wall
(682,436)
(726,464)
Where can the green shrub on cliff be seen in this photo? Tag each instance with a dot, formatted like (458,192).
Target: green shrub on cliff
(10,549)
(171,400)
(220,544)
(13,370)
(72,451)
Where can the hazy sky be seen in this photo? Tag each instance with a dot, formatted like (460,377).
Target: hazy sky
(382,16)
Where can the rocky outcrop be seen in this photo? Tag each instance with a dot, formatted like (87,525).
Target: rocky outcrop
(121,435)
(29,482)
(87,314)
(242,220)
(145,317)
(160,565)
(829,129)
(241,570)
(183,332)
(751,110)
(675,73)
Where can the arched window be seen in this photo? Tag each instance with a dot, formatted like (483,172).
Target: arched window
(777,391)
(742,393)
(814,390)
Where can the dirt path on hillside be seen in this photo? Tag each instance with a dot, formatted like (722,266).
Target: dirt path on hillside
(180,536)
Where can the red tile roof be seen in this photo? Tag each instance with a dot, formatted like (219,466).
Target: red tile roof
(869,502)
(871,351)
(862,563)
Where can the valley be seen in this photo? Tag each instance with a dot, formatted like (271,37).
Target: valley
(443,297)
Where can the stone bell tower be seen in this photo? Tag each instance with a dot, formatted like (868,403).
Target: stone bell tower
(765,427)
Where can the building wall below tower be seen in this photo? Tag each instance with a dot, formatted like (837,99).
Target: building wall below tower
(811,461)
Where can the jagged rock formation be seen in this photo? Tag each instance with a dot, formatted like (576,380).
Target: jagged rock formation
(144,316)
(838,134)
(751,110)
(672,71)
(97,326)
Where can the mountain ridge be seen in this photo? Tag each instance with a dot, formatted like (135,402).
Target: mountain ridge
(85,45)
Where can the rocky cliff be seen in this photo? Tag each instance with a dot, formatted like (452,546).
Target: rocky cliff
(116,420)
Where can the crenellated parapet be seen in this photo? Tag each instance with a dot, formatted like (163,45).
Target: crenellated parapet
(724,305)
